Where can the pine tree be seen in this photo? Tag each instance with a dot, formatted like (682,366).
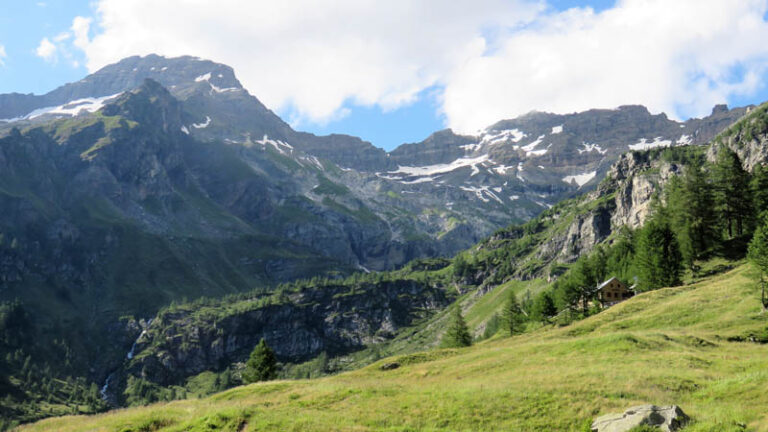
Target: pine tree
(690,208)
(457,335)
(759,186)
(732,189)
(261,365)
(512,315)
(758,255)
(658,258)
(622,254)
(699,208)
(544,307)
(587,273)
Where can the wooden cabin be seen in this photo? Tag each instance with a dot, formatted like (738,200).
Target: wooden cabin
(613,291)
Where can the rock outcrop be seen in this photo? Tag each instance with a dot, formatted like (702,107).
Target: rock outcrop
(335,319)
(666,418)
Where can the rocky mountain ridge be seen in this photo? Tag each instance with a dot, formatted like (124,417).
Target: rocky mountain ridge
(447,191)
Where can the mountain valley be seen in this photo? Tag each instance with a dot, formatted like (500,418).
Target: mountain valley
(158,221)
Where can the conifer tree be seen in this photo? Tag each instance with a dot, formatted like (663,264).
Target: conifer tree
(759,186)
(658,258)
(700,210)
(261,365)
(513,316)
(457,335)
(690,204)
(544,307)
(758,255)
(731,184)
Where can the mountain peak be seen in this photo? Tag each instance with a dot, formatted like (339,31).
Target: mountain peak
(177,74)
(720,109)
(148,104)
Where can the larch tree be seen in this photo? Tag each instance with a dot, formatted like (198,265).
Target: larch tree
(732,192)
(513,316)
(758,256)
(658,259)
(457,335)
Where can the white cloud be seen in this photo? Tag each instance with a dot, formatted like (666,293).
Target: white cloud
(46,50)
(80,28)
(672,56)
(3,55)
(61,44)
(311,55)
(494,58)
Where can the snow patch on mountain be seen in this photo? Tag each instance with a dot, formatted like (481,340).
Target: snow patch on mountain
(520,172)
(284,148)
(71,108)
(495,137)
(483,193)
(202,78)
(580,179)
(470,147)
(431,170)
(645,145)
(202,125)
(417,181)
(502,170)
(537,153)
(684,140)
(532,145)
(592,147)
(557,129)
(223,90)
(207,78)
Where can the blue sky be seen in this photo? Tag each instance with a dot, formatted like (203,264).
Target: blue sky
(22,25)
(433,106)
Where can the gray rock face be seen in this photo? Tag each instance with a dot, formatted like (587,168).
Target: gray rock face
(328,319)
(666,418)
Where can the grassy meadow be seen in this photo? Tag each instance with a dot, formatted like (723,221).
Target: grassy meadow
(698,346)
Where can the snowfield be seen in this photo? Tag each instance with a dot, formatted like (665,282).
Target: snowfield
(645,145)
(71,108)
(580,179)
(431,170)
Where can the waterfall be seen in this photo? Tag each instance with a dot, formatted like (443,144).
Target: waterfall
(105,387)
(133,347)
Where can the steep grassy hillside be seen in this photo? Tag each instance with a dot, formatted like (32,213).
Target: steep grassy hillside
(690,346)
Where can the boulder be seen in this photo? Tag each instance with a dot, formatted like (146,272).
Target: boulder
(389,366)
(666,418)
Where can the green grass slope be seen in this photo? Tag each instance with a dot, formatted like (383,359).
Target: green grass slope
(681,345)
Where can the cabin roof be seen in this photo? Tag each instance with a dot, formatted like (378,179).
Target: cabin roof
(602,285)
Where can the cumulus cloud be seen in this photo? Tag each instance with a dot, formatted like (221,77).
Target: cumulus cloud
(3,55)
(308,55)
(62,44)
(46,50)
(678,57)
(492,59)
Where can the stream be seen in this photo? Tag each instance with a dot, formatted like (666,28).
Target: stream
(105,396)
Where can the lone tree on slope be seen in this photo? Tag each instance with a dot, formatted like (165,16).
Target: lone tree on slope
(457,335)
(261,365)
(513,315)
